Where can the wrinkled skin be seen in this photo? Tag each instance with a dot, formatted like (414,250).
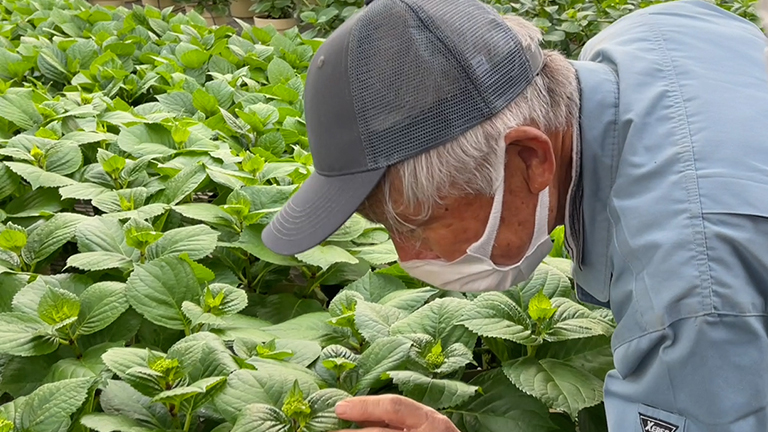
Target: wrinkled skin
(534,161)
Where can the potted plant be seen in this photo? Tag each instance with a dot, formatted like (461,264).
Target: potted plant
(241,8)
(279,13)
(214,11)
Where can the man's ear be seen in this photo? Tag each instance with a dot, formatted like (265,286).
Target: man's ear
(534,149)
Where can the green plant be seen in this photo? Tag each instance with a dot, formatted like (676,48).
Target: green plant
(276,9)
(325,16)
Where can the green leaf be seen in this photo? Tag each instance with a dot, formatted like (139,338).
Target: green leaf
(82,191)
(100,234)
(279,71)
(183,184)
(121,330)
(494,315)
(89,365)
(23,375)
(559,385)
(57,306)
(553,282)
(37,177)
(375,287)
(323,411)
(191,56)
(277,308)
(384,355)
(52,235)
(13,238)
(408,300)
(262,418)
(195,241)
(40,202)
(119,399)
(326,256)
(158,289)
(250,241)
(102,422)
(378,254)
(592,355)
(246,387)
(439,319)
(146,139)
(312,326)
(63,157)
(501,407)
(540,307)
(94,261)
(205,103)
(178,103)
(9,181)
(374,320)
(102,303)
(572,321)
(436,393)
(189,393)
(203,355)
(207,213)
(48,408)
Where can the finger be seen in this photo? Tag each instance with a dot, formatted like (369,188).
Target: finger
(396,411)
(372,424)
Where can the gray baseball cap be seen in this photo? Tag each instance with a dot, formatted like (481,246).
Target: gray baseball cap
(397,79)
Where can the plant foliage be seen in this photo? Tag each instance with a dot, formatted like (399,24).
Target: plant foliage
(141,156)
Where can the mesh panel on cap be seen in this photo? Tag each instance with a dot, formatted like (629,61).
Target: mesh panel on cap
(424,71)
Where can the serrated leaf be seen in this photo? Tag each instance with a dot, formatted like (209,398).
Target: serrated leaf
(573,321)
(195,241)
(250,241)
(261,418)
(102,422)
(94,261)
(119,399)
(378,254)
(157,290)
(439,319)
(246,387)
(384,355)
(323,415)
(312,326)
(101,304)
(23,335)
(181,185)
(203,355)
(277,308)
(37,177)
(48,408)
(82,191)
(540,307)
(374,320)
(326,256)
(89,365)
(436,393)
(178,103)
(546,278)
(374,287)
(501,407)
(146,139)
(559,385)
(494,315)
(279,71)
(57,306)
(52,235)
(408,300)
(100,234)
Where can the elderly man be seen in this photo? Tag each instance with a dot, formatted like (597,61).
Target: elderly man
(450,126)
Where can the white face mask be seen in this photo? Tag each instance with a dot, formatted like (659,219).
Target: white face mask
(474,271)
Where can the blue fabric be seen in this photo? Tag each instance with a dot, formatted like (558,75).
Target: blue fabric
(674,170)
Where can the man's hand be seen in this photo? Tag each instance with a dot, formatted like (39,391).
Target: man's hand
(392,413)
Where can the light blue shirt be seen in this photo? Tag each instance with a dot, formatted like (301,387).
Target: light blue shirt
(673,228)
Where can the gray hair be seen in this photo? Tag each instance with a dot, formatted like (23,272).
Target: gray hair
(467,164)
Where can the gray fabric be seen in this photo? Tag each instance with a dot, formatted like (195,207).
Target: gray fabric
(674,166)
(398,79)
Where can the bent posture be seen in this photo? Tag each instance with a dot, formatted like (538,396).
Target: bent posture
(450,126)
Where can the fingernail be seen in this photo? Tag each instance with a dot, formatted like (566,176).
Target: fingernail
(342,408)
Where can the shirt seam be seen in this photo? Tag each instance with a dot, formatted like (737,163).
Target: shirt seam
(691,181)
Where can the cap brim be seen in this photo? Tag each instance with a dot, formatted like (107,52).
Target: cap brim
(319,208)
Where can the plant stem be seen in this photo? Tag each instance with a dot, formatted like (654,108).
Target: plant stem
(188,422)
(532,350)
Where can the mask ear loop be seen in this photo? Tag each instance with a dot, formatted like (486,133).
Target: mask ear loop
(484,246)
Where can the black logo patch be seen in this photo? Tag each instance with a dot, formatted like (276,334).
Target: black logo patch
(651,424)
